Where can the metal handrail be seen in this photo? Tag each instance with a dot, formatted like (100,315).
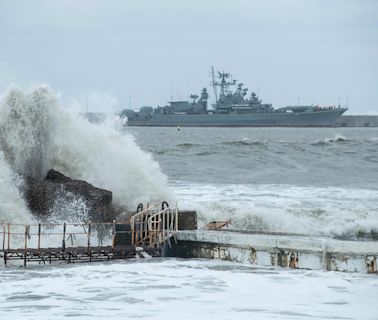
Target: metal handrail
(8,233)
(162,225)
(3,235)
(139,228)
(132,219)
(146,227)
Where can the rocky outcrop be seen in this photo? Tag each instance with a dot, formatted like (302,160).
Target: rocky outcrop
(58,194)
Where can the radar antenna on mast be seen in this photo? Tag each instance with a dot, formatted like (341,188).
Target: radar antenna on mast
(224,83)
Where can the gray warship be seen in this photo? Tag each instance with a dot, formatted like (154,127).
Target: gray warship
(232,108)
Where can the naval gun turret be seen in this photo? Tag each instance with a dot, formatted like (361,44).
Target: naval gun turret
(194,98)
(203,99)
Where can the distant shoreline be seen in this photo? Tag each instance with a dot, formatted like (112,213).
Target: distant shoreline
(357,121)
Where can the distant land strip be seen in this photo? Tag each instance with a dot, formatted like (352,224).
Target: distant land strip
(357,121)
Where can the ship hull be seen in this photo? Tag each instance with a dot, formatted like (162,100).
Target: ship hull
(326,118)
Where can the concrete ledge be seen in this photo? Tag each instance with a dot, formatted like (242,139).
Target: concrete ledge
(296,251)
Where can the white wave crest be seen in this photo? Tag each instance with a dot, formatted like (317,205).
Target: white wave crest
(338,138)
(285,208)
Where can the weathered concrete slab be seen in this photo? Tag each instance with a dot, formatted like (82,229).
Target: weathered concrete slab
(296,251)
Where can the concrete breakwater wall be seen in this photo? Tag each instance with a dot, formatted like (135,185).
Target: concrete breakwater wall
(169,232)
(295,251)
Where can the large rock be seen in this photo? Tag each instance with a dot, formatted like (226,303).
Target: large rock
(57,194)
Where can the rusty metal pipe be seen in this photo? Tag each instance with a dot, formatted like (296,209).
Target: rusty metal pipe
(39,237)
(3,236)
(64,237)
(26,244)
(9,225)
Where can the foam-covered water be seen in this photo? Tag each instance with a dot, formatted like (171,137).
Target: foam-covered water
(346,213)
(301,180)
(37,134)
(190,289)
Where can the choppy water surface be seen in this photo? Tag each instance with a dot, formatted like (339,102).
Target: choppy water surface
(305,180)
(177,289)
(346,157)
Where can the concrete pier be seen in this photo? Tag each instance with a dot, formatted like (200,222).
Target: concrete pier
(295,251)
(169,232)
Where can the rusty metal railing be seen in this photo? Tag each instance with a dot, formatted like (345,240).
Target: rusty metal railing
(32,242)
(154,227)
(149,227)
(162,225)
(48,242)
(39,236)
(139,227)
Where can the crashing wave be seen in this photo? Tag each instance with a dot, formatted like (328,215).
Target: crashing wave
(36,135)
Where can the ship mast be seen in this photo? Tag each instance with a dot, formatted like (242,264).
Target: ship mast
(224,83)
(213,83)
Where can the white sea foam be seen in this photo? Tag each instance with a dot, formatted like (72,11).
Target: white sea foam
(36,134)
(285,208)
(190,289)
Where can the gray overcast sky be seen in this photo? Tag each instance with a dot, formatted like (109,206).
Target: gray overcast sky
(317,50)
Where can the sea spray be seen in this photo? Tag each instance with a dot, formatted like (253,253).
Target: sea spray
(108,159)
(68,208)
(36,135)
(13,208)
(25,130)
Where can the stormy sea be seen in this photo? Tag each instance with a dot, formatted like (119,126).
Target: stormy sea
(313,181)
